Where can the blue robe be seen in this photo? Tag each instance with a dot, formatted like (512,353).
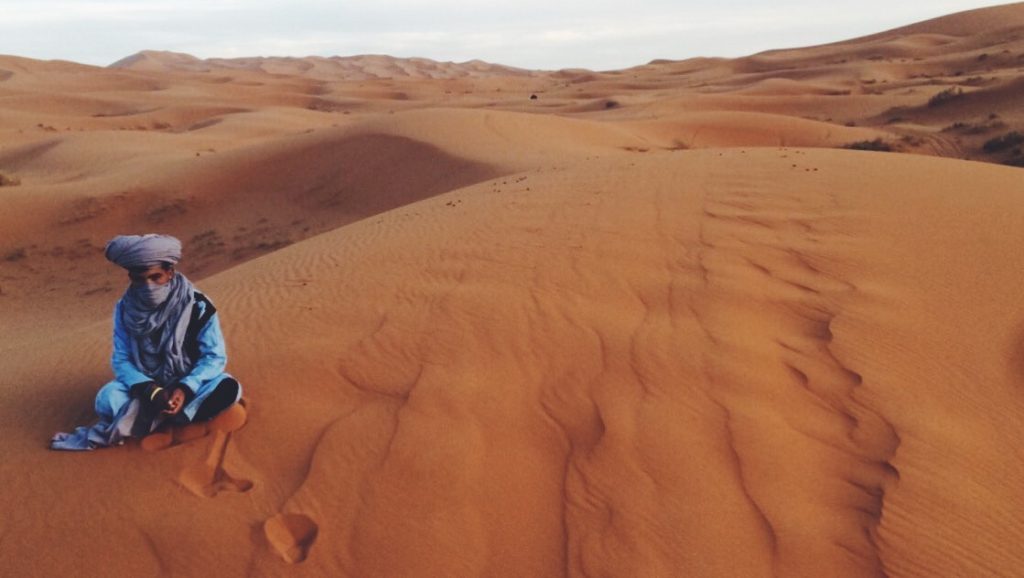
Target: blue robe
(113,402)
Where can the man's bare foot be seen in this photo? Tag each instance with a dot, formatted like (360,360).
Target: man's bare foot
(157,441)
(191,431)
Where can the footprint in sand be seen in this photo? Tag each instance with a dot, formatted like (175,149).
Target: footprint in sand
(208,477)
(291,535)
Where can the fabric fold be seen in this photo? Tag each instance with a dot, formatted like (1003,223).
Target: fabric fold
(103,433)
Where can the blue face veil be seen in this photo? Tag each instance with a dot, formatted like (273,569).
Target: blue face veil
(151,295)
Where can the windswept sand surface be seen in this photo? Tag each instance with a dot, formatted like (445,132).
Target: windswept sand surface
(654,322)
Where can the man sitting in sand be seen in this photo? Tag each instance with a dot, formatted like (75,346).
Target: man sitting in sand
(169,353)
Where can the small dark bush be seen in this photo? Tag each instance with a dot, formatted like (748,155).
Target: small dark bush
(983,128)
(1001,143)
(870,145)
(15,255)
(6,181)
(945,96)
(973,129)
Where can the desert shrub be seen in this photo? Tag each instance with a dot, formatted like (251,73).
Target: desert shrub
(973,129)
(167,209)
(870,145)
(945,96)
(1001,143)
(983,128)
(6,181)
(15,255)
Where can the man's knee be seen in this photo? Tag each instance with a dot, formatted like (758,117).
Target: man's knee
(226,393)
(110,398)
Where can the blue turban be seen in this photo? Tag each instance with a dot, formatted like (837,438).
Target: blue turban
(137,251)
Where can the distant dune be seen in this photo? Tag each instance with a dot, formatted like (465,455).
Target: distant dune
(715,317)
(335,67)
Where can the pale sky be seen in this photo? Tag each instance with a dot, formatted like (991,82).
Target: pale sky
(537,34)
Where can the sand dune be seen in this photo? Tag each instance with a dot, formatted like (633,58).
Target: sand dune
(732,129)
(370,66)
(650,322)
(742,359)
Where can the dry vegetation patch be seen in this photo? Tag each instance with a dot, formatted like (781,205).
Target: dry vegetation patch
(870,145)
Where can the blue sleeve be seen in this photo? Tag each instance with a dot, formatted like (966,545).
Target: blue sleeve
(121,360)
(213,356)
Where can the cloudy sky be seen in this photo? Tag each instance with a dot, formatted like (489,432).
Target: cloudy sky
(540,34)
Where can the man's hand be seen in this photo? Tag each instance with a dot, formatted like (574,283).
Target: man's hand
(142,391)
(156,399)
(175,402)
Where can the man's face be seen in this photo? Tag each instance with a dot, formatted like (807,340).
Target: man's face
(153,275)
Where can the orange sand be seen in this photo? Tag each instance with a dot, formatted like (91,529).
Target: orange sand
(654,322)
